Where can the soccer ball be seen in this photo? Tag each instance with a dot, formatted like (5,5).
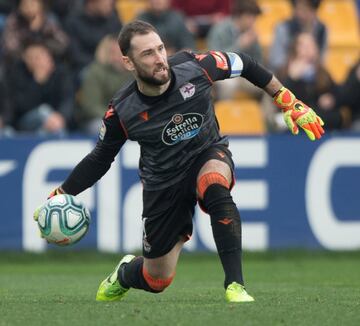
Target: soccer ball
(63,220)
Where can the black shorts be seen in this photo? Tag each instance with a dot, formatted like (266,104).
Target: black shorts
(168,213)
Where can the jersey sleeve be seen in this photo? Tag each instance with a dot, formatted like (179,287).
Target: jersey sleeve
(93,166)
(214,64)
(219,65)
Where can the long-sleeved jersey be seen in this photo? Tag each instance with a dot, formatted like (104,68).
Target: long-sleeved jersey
(172,128)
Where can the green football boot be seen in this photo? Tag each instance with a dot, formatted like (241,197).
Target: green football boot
(236,292)
(110,289)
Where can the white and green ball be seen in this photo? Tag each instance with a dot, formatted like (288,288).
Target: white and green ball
(63,220)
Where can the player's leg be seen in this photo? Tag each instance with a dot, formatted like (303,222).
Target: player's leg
(151,274)
(167,223)
(214,181)
(213,187)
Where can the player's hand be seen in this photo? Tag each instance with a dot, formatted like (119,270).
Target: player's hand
(56,191)
(297,114)
(36,213)
(36,218)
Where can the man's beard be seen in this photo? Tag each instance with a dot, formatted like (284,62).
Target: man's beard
(150,79)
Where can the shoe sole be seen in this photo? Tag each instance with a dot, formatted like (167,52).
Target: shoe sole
(240,301)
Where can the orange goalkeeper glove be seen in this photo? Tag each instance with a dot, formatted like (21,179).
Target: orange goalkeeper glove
(297,114)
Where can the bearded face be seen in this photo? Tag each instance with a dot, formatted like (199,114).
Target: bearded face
(148,59)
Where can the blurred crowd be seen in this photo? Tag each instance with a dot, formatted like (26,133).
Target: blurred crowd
(60,62)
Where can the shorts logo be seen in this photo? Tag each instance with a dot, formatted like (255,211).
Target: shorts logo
(187,90)
(146,244)
(102,131)
(182,127)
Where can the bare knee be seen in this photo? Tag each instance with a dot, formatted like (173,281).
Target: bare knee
(159,272)
(213,172)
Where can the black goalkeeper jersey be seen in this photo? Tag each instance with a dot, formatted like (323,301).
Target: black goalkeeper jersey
(172,128)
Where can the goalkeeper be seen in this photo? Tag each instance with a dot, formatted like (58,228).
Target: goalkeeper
(184,160)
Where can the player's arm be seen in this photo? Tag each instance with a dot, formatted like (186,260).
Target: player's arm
(98,161)
(296,113)
(218,65)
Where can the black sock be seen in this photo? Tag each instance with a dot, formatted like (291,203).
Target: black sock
(131,275)
(226,227)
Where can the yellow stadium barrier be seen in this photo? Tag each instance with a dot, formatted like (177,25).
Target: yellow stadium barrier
(129,9)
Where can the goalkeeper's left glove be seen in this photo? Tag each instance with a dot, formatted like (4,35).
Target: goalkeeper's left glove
(296,113)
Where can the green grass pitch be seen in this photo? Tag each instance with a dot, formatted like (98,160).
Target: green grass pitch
(290,288)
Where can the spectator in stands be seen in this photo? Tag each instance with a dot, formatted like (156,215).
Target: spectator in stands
(6,7)
(62,8)
(202,14)
(306,76)
(102,78)
(40,92)
(237,32)
(170,25)
(233,34)
(30,20)
(304,19)
(5,112)
(87,27)
(349,95)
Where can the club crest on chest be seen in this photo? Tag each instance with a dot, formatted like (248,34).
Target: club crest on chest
(187,90)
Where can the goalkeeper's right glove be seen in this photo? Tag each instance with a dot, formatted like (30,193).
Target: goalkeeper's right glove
(36,218)
(56,191)
(37,212)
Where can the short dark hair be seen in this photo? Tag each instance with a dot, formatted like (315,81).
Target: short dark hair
(241,7)
(136,27)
